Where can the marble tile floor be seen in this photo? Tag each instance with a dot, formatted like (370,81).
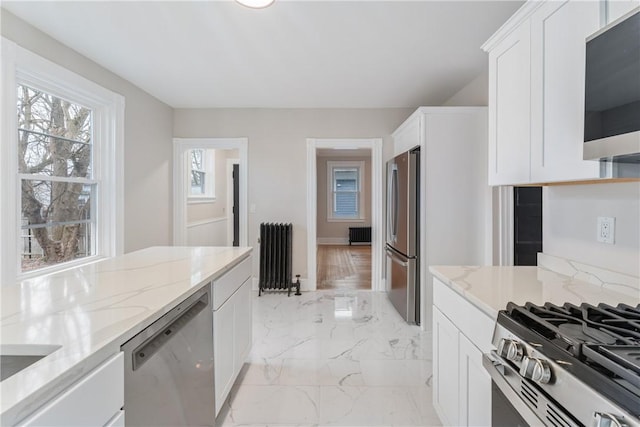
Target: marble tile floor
(332,358)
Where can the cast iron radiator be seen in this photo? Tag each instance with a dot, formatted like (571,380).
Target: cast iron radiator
(359,235)
(275,258)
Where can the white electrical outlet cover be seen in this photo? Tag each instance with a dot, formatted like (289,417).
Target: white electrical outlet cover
(606,229)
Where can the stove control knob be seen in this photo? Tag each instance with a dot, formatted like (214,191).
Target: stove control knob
(535,369)
(603,419)
(511,350)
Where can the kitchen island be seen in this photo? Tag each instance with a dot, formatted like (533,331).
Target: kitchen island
(80,317)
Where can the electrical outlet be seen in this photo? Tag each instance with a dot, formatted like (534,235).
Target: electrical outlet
(606,229)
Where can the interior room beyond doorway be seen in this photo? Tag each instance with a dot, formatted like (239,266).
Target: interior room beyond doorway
(343,206)
(344,267)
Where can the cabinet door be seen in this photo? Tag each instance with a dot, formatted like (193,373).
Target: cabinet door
(223,349)
(242,325)
(558,33)
(509,101)
(475,386)
(92,401)
(445,369)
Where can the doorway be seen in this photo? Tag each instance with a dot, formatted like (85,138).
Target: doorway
(358,256)
(233,201)
(343,219)
(190,176)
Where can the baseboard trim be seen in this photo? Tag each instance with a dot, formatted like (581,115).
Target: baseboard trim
(333,240)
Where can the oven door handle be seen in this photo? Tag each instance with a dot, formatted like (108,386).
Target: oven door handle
(499,369)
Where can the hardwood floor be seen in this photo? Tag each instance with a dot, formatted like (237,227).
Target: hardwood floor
(344,267)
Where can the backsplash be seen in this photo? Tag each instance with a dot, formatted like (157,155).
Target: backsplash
(569,224)
(611,280)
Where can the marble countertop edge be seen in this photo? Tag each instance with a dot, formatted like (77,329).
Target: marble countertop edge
(490,288)
(22,393)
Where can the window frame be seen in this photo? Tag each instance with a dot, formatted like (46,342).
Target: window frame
(20,66)
(333,164)
(209,170)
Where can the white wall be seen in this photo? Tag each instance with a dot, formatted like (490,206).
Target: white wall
(474,94)
(333,230)
(569,224)
(148,136)
(277,155)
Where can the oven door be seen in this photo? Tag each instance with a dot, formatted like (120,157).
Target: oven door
(509,407)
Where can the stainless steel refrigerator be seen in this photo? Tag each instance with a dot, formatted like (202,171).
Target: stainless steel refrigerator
(403,234)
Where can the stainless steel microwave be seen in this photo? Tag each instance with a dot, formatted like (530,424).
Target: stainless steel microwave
(612,92)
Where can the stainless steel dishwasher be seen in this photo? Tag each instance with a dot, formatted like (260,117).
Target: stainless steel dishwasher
(169,368)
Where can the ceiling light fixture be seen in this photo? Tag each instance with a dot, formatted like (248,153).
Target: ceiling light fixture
(256,4)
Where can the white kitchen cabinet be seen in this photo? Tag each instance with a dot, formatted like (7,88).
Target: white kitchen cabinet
(558,33)
(232,323)
(408,136)
(94,400)
(446,387)
(475,386)
(509,108)
(224,357)
(461,334)
(455,200)
(536,92)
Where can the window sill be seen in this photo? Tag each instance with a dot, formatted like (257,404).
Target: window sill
(194,200)
(58,268)
(345,220)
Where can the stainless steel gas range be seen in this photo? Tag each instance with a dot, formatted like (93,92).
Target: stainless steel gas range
(566,366)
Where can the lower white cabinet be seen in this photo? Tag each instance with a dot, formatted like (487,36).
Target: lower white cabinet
(95,400)
(475,386)
(232,323)
(446,385)
(461,386)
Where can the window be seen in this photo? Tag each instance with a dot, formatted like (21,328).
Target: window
(345,201)
(55,175)
(62,174)
(197,172)
(201,174)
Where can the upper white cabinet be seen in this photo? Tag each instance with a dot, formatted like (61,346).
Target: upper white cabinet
(407,136)
(536,93)
(509,112)
(558,33)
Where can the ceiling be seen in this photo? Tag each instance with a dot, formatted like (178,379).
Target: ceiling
(294,54)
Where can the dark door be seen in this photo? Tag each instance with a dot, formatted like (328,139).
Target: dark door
(236,205)
(527,225)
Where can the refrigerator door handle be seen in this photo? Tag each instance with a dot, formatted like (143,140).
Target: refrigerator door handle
(392,193)
(395,258)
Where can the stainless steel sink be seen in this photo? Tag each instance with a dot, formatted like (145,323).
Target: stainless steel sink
(15,358)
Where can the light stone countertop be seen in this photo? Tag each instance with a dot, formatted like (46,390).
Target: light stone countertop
(491,288)
(90,311)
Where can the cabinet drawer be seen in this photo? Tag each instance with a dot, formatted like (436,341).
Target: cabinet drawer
(226,285)
(92,401)
(473,323)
